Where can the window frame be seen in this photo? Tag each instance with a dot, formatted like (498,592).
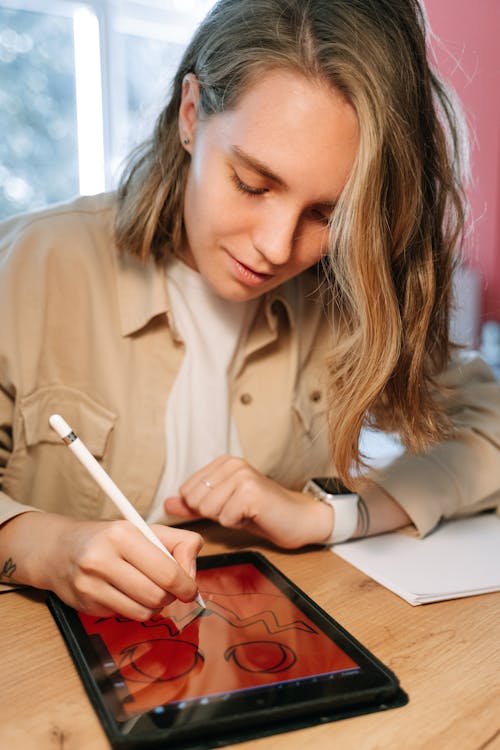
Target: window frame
(171,21)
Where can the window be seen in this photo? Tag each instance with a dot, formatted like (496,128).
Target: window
(81,85)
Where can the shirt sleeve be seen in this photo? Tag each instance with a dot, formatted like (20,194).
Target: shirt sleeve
(9,315)
(461,475)
(9,508)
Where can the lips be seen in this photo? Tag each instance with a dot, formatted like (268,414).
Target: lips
(246,274)
(253,271)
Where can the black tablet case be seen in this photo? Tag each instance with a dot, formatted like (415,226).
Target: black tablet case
(228,737)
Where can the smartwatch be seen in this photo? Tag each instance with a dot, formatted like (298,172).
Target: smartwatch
(344,503)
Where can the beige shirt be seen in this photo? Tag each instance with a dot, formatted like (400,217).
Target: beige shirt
(88,334)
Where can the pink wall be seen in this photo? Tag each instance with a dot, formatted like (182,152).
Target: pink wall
(468,54)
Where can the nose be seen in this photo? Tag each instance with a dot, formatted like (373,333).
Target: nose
(274,236)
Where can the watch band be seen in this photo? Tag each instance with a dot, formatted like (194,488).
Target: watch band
(345,508)
(346,517)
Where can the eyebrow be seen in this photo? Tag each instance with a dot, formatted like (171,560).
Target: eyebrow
(264,170)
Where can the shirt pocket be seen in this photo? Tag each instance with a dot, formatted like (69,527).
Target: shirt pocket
(43,471)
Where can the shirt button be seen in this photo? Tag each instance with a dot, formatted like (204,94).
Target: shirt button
(246,398)
(315,396)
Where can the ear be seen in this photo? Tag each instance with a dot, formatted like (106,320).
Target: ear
(188,110)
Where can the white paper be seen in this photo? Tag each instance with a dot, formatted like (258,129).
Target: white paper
(459,558)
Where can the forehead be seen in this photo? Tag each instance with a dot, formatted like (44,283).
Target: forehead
(302,129)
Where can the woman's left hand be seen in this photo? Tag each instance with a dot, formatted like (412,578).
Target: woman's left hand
(230,491)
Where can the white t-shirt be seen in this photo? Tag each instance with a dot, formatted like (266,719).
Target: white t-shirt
(198,421)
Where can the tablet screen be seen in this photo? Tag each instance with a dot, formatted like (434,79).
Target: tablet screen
(250,635)
(261,653)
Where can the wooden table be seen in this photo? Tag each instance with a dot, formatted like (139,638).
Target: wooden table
(446,655)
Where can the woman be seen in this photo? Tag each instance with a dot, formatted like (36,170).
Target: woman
(273,273)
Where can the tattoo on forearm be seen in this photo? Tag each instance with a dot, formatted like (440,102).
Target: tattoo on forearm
(8,570)
(364,517)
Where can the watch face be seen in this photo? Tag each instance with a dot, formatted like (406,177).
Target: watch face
(332,486)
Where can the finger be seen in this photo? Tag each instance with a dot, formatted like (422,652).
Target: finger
(238,511)
(135,585)
(176,506)
(247,497)
(207,491)
(209,472)
(165,572)
(146,557)
(126,575)
(184,545)
(207,501)
(99,598)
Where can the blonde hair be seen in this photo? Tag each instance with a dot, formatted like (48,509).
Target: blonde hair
(400,216)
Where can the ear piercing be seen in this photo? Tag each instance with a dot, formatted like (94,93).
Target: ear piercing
(186,140)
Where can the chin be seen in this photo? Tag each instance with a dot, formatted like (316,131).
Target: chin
(236,292)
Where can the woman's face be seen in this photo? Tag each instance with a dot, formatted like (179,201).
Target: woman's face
(263,180)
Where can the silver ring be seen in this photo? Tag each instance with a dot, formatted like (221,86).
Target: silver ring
(207,483)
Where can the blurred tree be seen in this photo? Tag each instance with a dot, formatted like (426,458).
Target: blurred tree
(38,120)
(38,134)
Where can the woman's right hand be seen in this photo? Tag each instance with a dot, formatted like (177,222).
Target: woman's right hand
(100,567)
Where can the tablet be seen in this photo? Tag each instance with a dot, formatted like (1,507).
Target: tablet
(261,658)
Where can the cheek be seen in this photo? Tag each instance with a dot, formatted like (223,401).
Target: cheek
(226,217)
(312,246)
(213,205)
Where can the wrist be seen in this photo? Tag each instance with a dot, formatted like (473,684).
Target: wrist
(16,549)
(325,522)
(25,539)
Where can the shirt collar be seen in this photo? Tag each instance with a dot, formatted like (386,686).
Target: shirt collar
(278,299)
(142,293)
(293,297)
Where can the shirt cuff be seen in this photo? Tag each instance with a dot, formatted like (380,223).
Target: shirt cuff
(450,480)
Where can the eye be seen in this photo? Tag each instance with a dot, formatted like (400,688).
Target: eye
(246,189)
(316,214)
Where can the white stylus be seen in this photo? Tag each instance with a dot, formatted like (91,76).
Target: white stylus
(106,483)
